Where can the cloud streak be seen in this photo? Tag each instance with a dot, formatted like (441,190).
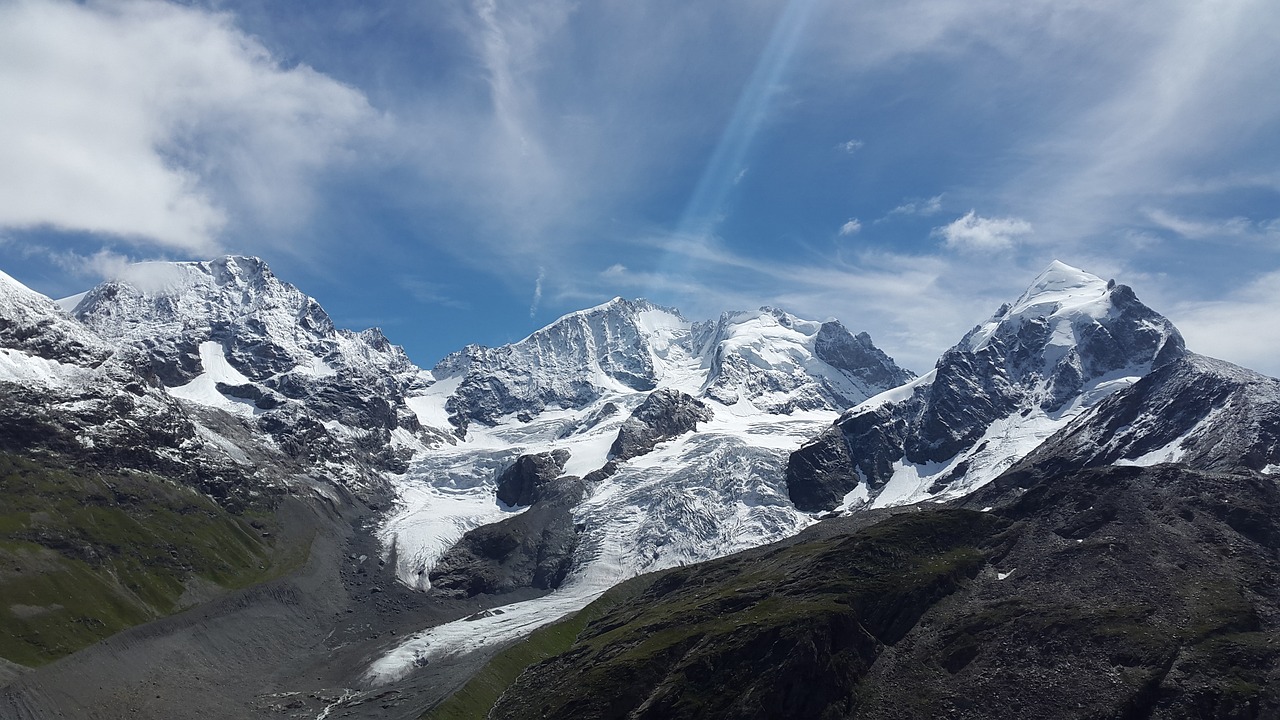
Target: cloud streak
(925,207)
(537,292)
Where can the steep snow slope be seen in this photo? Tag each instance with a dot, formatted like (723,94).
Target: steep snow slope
(768,358)
(33,326)
(1201,412)
(1069,341)
(779,363)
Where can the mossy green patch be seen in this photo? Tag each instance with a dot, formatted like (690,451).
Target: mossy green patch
(86,553)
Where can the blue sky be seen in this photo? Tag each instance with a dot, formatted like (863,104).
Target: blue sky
(460,171)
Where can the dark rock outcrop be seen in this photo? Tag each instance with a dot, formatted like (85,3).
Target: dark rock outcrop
(553,366)
(299,371)
(664,415)
(1204,413)
(525,482)
(531,550)
(857,355)
(817,472)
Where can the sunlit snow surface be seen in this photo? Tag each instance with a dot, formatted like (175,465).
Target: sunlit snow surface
(701,496)
(203,389)
(1006,441)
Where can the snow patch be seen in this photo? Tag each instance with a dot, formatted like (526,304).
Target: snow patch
(203,390)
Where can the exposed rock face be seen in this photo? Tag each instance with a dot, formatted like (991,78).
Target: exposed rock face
(1069,341)
(531,550)
(1204,413)
(664,415)
(228,334)
(34,325)
(566,364)
(769,358)
(65,390)
(858,356)
(529,476)
(818,473)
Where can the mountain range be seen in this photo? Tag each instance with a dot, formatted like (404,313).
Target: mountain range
(627,513)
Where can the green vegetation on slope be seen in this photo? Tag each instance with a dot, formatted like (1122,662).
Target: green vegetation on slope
(1116,592)
(788,631)
(473,700)
(86,553)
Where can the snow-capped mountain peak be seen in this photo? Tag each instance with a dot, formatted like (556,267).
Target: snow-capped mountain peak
(1070,340)
(34,324)
(771,360)
(1060,293)
(780,363)
(228,334)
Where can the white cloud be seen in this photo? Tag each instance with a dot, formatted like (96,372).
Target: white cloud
(852,146)
(851,228)
(537,292)
(1234,228)
(923,207)
(157,123)
(104,264)
(974,232)
(1240,329)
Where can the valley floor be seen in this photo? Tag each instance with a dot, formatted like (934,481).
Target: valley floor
(287,648)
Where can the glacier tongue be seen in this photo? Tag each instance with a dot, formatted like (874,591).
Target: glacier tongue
(704,495)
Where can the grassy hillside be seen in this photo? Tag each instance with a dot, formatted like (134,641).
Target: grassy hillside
(86,553)
(473,700)
(1107,593)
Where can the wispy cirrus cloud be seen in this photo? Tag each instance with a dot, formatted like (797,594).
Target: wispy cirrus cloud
(1238,327)
(922,207)
(1232,228)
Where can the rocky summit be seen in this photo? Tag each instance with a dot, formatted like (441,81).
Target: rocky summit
(218,504)
(1069,341)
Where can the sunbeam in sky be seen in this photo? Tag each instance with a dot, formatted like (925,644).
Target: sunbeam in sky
(727,164)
